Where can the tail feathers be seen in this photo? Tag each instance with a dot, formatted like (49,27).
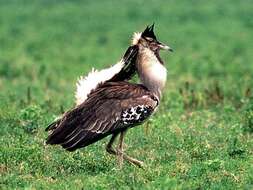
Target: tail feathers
(82,139)
(52,126)
(75,139)
(56,135)
(72,137)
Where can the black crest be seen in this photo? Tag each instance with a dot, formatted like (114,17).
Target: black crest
(149,32)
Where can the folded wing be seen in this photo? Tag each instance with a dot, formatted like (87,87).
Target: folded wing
(111,108)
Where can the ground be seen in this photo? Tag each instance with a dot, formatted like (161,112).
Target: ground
(200,138)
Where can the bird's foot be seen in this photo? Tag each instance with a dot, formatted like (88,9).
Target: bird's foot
(133,161)
(136,162)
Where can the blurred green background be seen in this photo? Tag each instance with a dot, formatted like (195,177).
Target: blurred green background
(201,137)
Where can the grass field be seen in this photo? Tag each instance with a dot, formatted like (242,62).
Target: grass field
(202,135)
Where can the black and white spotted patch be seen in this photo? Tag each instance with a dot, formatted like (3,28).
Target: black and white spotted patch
(136,114)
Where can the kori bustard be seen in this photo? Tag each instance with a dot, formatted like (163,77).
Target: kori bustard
(108,104)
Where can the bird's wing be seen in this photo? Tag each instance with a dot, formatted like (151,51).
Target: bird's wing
(112,107)
(129,68)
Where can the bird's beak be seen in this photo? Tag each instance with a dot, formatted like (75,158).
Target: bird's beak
(165,47)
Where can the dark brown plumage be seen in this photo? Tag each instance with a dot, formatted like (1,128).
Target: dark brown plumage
(101,115)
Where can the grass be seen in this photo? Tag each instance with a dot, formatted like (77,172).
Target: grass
(201,137)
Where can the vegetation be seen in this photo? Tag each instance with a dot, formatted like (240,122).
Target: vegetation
(201,137)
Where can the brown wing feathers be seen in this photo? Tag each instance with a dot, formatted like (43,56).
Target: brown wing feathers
(79,126)
(99,116)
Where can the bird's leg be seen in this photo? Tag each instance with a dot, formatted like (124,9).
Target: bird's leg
(133,161)
(120,149)
(109,147)
(111,150)
(122,156)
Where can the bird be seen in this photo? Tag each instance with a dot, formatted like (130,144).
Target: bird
(108,103)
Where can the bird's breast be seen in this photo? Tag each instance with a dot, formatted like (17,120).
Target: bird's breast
(152,73)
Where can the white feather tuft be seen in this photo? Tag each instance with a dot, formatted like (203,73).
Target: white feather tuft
(86,84)
(136,38)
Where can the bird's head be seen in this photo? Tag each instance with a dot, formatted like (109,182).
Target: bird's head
(147,39)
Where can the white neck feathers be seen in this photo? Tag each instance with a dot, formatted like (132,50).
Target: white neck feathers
(152,73)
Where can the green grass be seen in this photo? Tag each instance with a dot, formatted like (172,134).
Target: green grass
(202,135)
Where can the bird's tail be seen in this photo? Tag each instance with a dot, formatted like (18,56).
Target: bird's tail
(52,128)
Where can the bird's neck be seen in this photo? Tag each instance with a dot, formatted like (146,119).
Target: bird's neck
(151,71)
